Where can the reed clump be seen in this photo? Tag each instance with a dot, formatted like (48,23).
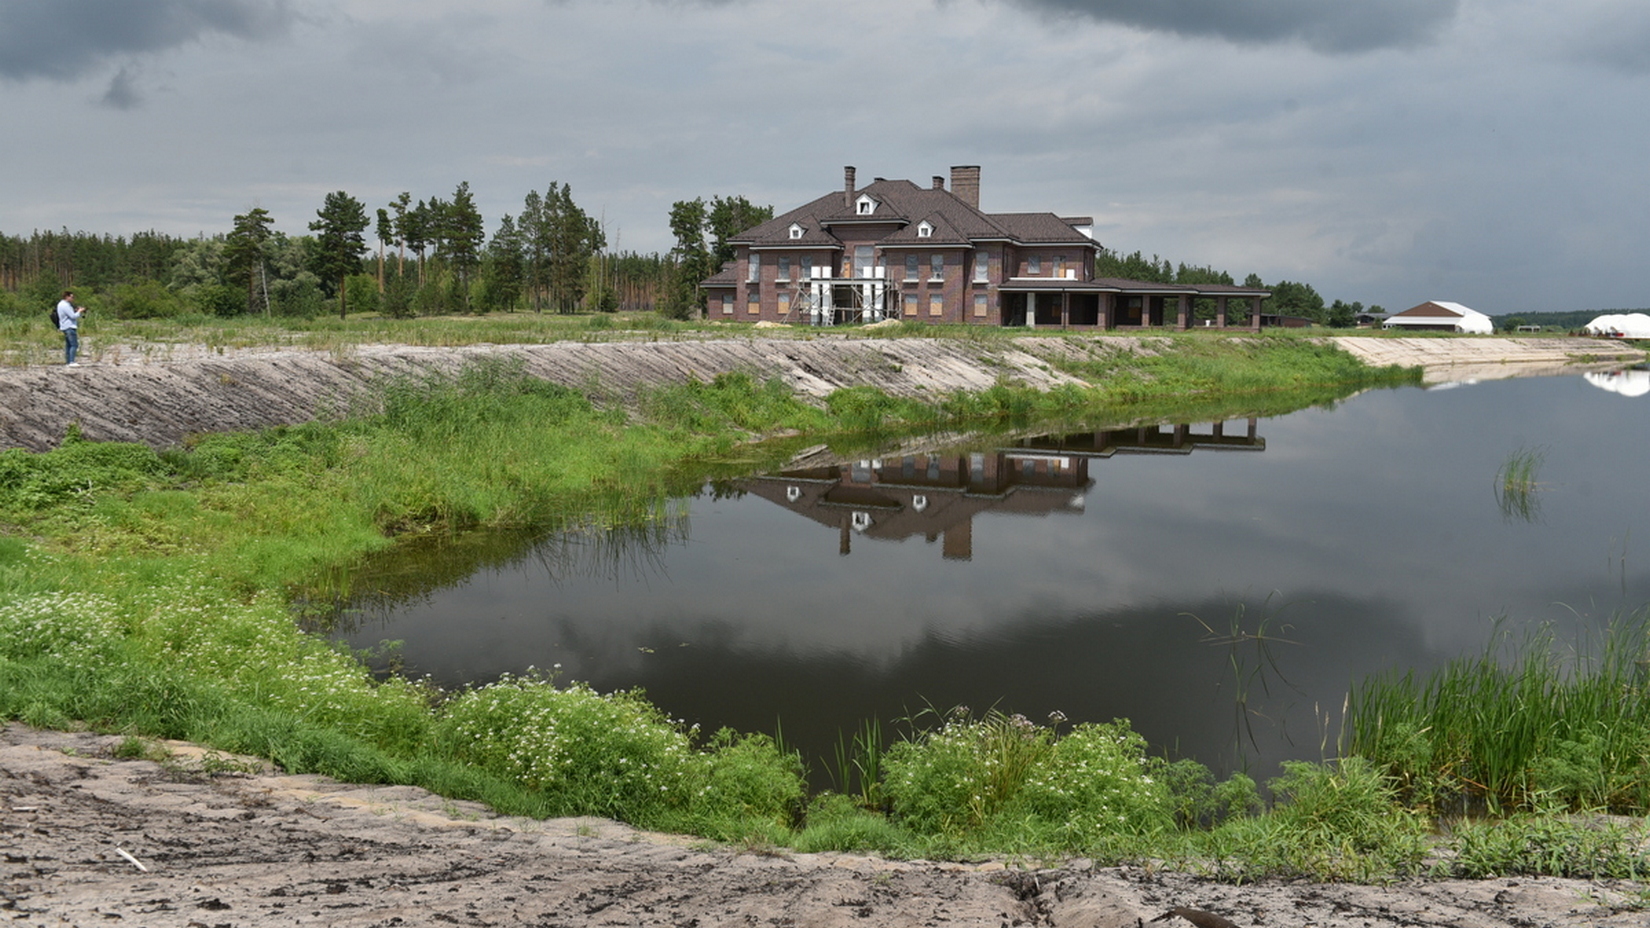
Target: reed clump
(1534,722)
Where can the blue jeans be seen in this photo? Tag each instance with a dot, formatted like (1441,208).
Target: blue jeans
(71,345)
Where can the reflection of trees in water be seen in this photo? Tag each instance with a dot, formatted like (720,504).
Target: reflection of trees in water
(411,573)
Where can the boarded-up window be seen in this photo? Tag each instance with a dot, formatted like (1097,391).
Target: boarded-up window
(979,305)
(936,305)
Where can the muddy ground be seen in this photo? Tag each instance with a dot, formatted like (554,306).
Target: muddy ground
(206,840)
(160,395)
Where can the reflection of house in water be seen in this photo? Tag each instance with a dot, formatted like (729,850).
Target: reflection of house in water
(937,495)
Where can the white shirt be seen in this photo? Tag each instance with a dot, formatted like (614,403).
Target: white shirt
(67,318)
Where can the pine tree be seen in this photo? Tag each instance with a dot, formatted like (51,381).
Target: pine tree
(244,253)
(340,222)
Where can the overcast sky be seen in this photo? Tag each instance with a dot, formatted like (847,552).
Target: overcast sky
(1491,152)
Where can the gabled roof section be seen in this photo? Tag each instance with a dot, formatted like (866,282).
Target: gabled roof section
(941,232)
(902,204)
(728,276)
(1435,309)
(777,231)
(1041,229)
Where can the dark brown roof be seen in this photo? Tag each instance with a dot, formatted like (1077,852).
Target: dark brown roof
(903,206)
(726,277)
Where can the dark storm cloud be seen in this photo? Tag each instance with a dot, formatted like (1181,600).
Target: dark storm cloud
(1323,25)
(66,39)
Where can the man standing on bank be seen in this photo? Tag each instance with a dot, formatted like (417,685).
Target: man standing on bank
(68,322)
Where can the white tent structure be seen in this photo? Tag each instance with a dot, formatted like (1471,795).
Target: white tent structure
(1442,316)
(1620,325)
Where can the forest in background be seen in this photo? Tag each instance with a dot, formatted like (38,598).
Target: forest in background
(433,256)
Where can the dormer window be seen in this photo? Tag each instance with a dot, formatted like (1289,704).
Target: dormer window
(925,229)
(865,206)
(796,231)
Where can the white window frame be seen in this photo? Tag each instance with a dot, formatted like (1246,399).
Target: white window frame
(755,267)
(925,230)
(796,231)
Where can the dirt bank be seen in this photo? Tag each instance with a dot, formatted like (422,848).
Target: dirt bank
(160,397)
(203,840)
(160,400)
(1456,360)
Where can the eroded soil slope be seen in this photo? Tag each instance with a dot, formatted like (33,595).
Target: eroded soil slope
(86,839)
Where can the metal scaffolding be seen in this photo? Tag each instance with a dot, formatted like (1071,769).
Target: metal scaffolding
(822,300)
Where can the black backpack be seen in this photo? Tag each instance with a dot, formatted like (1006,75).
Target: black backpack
(52,315)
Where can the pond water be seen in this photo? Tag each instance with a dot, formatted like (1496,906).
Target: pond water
(1219,585)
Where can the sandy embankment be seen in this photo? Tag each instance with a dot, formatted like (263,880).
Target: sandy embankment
(160,397)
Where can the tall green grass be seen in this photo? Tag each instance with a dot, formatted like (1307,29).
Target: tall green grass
(1531,723)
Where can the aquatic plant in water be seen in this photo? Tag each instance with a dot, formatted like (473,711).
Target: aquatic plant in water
(1515,485)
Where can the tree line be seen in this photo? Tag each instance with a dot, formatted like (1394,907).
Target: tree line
(407,258)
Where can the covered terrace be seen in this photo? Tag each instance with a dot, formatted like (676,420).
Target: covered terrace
(1115,303)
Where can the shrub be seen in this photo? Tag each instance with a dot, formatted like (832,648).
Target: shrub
(1096,786)
(361,293)
(148,299)
(1006,775)
(591,754)
(1340,822)
(743,786)
(218,300)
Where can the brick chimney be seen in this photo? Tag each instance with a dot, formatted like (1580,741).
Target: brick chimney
(965,183)
(939,182)
(848,187)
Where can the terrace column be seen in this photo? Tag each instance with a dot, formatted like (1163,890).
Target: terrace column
(1220,312)
(1185,321)
(1031,310)
(1107,307)
(1065,310)
(1254,313)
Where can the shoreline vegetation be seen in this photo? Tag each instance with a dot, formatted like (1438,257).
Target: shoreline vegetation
(156,595)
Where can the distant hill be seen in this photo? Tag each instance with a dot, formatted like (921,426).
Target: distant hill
(1563,322)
